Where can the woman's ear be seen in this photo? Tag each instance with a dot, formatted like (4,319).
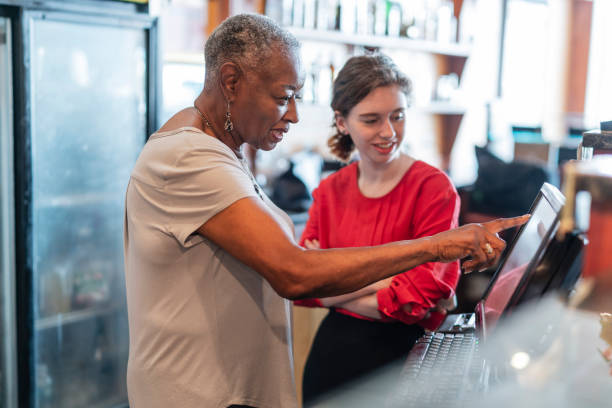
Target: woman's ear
(230,76)
(340,123)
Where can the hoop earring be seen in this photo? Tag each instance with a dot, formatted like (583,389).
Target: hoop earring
(229,126)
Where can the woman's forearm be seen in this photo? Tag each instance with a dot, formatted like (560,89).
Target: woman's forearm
(338,300)
(298,273)
(364,306)
(333,272)
(368,290)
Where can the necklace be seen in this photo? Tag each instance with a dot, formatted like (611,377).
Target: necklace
(242,160)
(245,166)
(204,118)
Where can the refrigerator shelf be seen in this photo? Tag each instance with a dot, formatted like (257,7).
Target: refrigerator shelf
(74,317)
(72,200)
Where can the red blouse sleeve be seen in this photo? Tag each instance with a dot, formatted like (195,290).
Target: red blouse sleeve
(436,210)
(311,231)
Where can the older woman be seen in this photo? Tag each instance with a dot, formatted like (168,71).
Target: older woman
(210,261)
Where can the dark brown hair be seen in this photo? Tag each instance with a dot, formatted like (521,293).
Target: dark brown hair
(360,76)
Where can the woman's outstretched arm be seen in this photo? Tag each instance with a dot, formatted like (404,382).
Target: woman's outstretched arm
(247,230)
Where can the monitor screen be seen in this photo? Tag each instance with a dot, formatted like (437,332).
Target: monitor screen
(534,236)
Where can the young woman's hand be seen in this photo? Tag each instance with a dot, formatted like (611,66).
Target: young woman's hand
(312,244)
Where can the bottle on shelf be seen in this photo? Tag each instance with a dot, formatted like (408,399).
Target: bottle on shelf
(415,18)
(324,15)
(287,12)
(348,16)
(298,13)
(310,14)
(467,22)
(363,18)
(394,19)
(446,23)
(431,20)
(380,17)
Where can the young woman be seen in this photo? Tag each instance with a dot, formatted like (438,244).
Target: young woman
(385,196)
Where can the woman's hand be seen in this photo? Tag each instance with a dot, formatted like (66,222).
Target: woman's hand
(312,244)
(446,305)
(442,306)
(478,241)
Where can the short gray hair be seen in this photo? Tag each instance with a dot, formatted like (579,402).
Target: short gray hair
(245,39)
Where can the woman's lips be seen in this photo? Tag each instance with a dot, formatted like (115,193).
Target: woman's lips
(277,134)
(384,148)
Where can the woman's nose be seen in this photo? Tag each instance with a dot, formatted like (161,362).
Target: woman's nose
(292,113)
(387,131)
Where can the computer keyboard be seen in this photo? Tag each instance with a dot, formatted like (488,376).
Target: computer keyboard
(441,370)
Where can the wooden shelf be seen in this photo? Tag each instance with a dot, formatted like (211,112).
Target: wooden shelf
(73,317)
(432,47)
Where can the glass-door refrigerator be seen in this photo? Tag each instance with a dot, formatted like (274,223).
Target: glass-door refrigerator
(8,364)
(86,110)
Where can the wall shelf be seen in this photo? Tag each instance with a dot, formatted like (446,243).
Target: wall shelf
(82,199)
(447,58)
(432,47)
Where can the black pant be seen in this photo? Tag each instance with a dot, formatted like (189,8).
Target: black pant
(345,348)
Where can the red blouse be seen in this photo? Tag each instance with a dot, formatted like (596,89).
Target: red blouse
(423,203)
